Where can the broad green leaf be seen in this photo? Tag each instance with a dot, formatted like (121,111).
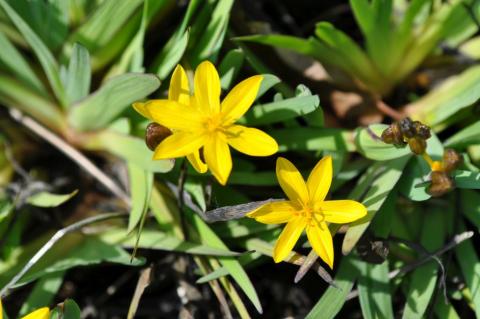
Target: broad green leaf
(167,59)
(45,57)
(370,145)
(471,206)
(46,199)
(386,176)
(78,79)
(14,61)
(333,299)
(141,183)
(229,67)
(129,148)
(102,106)
(43,292)
(313,139)
(424,278)
(445,311)
(468,135)
(451,96)
(235,269)
(374,290)
(280,111)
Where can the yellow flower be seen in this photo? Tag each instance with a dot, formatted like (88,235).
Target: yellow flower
(307,209)
(201,122)
(42,313)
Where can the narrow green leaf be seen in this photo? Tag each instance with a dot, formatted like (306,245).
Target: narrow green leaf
(424,278)
(43,292)
(269,80)
(45,57)
(374,290)
(46,199)
(466,179)
(334,298)
(235,269)
(79,75)
(71,310)
(467,136)
(313,139)
(229,67)
(167,59)
(102,106)
(386,175)
(141,183)
(15,62)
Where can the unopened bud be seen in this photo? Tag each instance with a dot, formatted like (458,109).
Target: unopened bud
(417,145)
(407,127)
(422,130)
(451,160)
(441,183)
(155,134)
(393,135)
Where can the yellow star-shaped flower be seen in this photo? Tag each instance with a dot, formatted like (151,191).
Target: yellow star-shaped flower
(307,209)
(200,123)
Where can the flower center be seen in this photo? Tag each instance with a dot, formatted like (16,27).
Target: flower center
(310,214)
(213,124)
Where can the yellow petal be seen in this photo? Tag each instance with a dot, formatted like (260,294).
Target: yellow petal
(1,309)
(197,163)
(288,238)
(251,141)
(174,115)
(291,181)
(140,108)
(179,89)
(42,313)
(342,211)
(321,241)
(240,98)
(218,158)
(178,145)
(207,88)
(320,179)
(274,213)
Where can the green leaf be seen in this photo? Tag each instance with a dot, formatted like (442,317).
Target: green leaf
(386,175)
(43,292)
(451,96)
(141,183)
(102,106)
(229,67)
(269,80)
(466,179)
(45,57)
(46,199)
(313,139)
(374,291)
(78,78)
(15,62)
(234,267)
(468,135)
(71,310)
(333,299)
(280,111)
(370,145)
(128,147)
(424,278)
(211,38)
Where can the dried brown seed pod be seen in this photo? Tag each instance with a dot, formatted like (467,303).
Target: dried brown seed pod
(155,134)
(451,160)
(417,145)
(441,183)
(407,128)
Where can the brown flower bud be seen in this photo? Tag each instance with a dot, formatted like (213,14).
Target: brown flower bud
(451,160)
(393,135)
(441,183)
(422,130)
(407,128)
(155,134)
(417,145)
